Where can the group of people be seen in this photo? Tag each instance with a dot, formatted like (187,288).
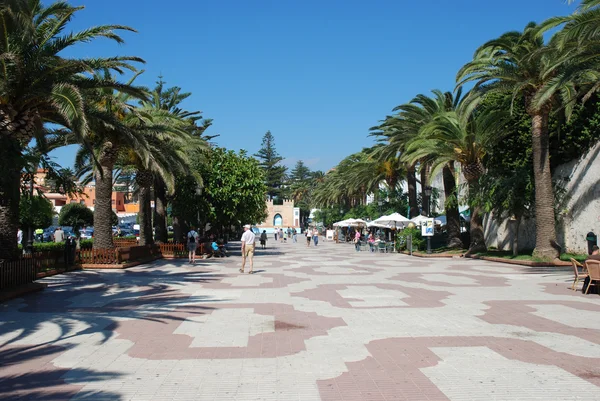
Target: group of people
(312,234)
(193,240)
(280,234)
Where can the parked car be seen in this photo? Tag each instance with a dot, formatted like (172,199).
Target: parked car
(87,233)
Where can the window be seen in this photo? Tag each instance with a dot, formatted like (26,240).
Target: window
(94,201)
(82,202)
(73,201)
(113,201)
(118,202)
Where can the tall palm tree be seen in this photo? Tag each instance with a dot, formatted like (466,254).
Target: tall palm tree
(170,144)
(459,136)
(114,129)
(524,65)
(38,85)
(169,99)
(402,128)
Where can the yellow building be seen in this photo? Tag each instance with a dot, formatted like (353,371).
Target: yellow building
(283,216)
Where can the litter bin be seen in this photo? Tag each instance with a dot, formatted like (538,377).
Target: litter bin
(592,239)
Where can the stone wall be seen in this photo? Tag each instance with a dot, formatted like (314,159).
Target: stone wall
(579,212)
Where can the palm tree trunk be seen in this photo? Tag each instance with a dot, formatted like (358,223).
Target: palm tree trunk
(477,235)
(545,233)
(144,181)
(451,207)
(10,194)
(103,176)
(160,208)
(425,200)
(177,230)
(515,242)
(411,180)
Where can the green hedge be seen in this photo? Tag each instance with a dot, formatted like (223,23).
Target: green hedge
(46,246)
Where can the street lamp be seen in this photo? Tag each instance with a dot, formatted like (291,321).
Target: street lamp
(198,193)
(380,203)
(428,194)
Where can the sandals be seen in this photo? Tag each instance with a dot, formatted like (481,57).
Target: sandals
(250,272)
(241,270)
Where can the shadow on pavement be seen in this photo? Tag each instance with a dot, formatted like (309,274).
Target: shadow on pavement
(25,375)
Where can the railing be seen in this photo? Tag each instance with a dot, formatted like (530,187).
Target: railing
(26,269)
(173,250)
(97,256)
(124,242)
(46,260)
(17,272)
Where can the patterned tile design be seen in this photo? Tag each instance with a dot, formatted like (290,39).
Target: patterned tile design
(320,323)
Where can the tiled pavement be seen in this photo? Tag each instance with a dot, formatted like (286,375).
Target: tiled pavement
(322,323)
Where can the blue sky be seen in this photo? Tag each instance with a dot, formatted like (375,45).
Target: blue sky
(317,74)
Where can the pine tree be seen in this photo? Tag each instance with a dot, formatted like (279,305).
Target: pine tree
(300,172)
(269,161)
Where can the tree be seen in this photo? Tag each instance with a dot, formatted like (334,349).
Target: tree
(234,189)
(116,128)
(169,99)
(35,212)
(76,216)
(522,64)
(464,137)
(269,163)
(38,85)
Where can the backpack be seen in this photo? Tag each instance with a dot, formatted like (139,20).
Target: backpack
(192,236)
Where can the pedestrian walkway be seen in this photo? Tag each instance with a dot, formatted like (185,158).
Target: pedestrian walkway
(320,323)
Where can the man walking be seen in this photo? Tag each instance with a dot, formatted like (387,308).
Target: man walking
(248,239)
(294,235)
(59,235)
(192,245)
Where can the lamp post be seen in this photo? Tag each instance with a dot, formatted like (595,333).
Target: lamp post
(30,231)
(198,193)
(380,203)
(428,194)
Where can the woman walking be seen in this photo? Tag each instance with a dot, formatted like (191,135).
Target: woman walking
(357,241)
(316,236)
(308,234)
(263,239)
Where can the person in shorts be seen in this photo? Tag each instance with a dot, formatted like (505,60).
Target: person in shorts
(248,239)
(308,234)
(192,245)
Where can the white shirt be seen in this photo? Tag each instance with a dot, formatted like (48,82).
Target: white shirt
(19,236)
(248,237)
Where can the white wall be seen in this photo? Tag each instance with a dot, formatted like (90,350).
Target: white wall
(579,215)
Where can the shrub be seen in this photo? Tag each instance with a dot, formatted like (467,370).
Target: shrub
(419,243)
(86,243)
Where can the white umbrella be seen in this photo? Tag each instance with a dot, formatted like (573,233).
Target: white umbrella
(340,223)
(420,219)
(378,225)
(394,219)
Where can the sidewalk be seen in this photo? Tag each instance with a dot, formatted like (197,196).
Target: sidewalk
(324,323)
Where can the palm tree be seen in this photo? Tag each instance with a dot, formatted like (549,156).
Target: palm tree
(399,130)
(459,136)
(39,86)
(169,99)
(114,129)
(523,65)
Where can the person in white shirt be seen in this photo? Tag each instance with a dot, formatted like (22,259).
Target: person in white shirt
(248,239)
(19,236)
